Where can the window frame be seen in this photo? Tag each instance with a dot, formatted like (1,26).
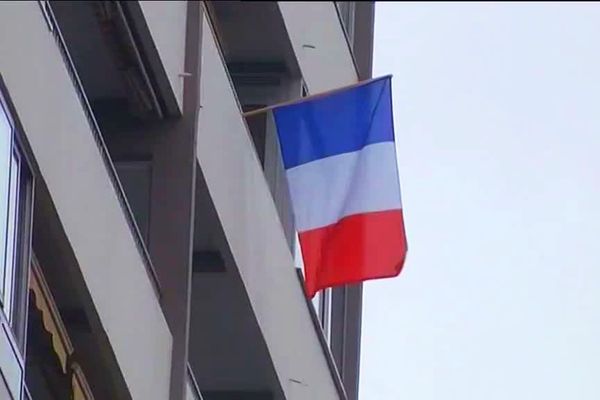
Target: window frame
(8,164)
(325,298)
(15,318)
(11,252)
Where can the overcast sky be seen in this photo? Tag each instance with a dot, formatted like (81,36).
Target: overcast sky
(497,115)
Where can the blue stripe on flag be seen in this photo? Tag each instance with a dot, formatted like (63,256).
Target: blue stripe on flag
(342,122)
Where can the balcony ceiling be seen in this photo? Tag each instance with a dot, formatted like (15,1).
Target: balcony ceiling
(253,32)
(88,48)
(104,54)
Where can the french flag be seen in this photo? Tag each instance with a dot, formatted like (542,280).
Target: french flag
(340,159)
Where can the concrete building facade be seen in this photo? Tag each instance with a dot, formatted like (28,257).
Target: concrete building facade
(147,246)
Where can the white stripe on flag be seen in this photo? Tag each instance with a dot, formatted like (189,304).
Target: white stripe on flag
(326,190)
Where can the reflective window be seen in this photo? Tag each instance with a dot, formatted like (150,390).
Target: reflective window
(15,217)
(325,313)
(5,164)
(11,234)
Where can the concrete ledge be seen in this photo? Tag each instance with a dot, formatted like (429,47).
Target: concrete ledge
(320,46)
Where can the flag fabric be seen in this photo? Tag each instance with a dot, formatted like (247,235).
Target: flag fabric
(340,160)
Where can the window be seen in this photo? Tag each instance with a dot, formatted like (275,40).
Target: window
(325,313)
(322,305)
(5,167)
(11,235)
(15,217)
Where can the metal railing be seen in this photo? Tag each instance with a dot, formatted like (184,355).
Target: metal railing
(349,36)
(79,89)
(192,385)
(26,394)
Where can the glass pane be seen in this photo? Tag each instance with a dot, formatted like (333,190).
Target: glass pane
(136,178)
(326,313)
(316,302)
(11,236)
(5,151)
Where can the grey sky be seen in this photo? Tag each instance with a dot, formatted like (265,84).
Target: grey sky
(497,110)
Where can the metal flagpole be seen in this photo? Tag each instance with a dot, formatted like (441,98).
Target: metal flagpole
(313,96)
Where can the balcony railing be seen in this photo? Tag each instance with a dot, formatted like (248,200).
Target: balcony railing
(191,391)
(346,12)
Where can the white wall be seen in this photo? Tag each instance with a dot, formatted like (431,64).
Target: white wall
(249,218)
(319,43)
(70,163)
(166,21)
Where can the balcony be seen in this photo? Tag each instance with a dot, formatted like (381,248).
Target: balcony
(245,284)
(85,209)
(284,59)
(51,365)
(262,66)
(103,101)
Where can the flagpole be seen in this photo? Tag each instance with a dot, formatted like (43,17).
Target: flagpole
(312,97)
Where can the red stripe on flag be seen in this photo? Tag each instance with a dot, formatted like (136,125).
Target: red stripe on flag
(356,248)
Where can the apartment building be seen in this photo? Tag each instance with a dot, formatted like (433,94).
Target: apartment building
(147,249)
